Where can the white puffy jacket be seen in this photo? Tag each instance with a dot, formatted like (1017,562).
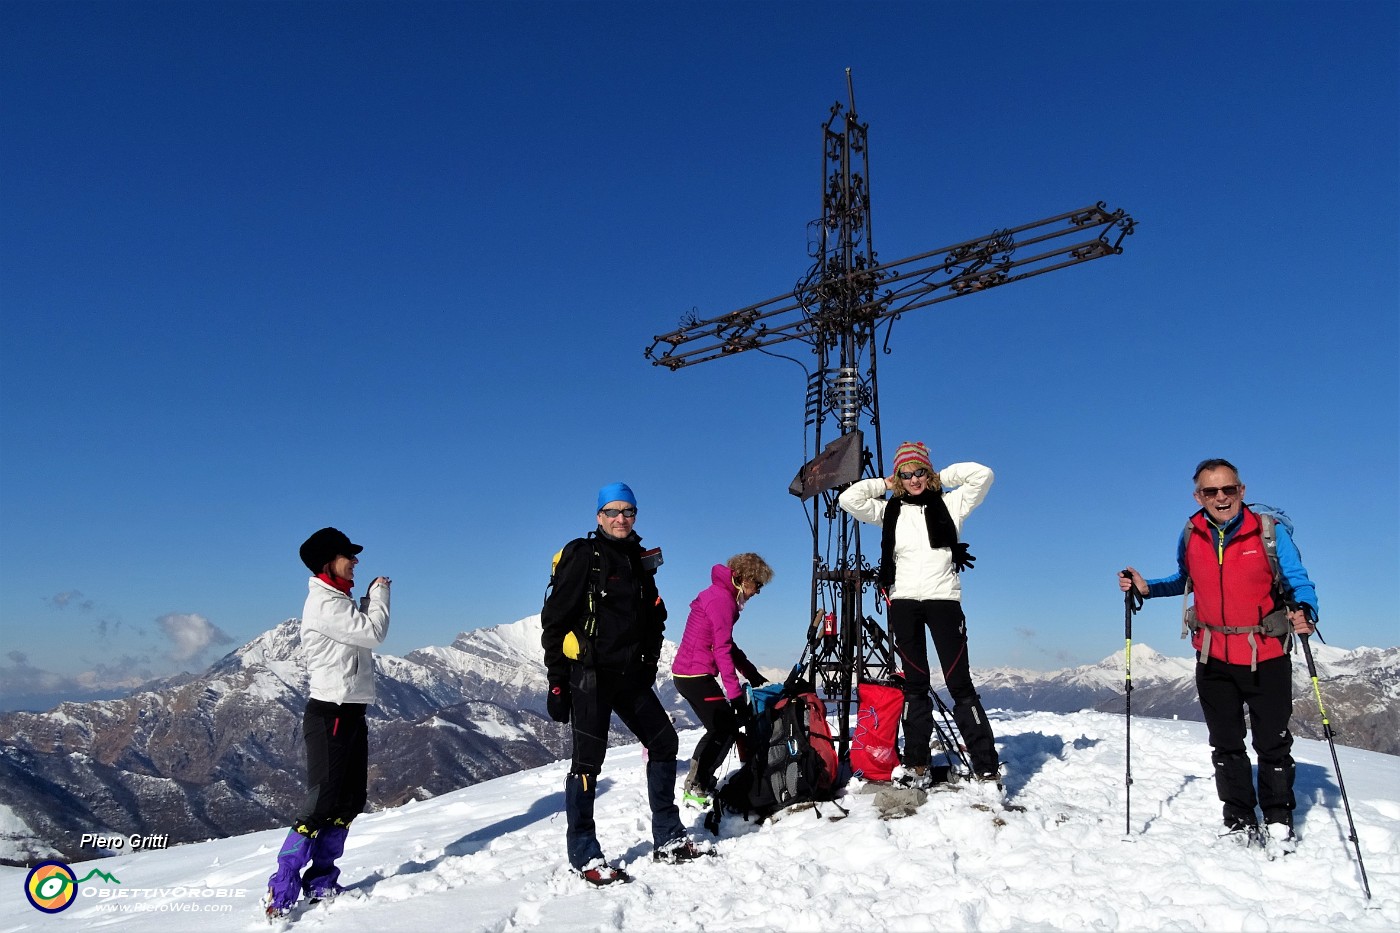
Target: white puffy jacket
(922,571)
(337,635)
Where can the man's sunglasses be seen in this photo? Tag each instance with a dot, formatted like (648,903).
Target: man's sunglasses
(1210,492)
(614,513)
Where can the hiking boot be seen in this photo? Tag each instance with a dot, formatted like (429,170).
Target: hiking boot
(680,849)
(1238,824)
(327,892)
(987,770)
(272,912)
(990,776)
(1282,838)
(1245,832)
(915,776)
(600,873)
(1238,832)
(696,792)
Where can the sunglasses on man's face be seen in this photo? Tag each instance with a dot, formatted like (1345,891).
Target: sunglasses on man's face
(919,472)
(1210,492)
(614,513)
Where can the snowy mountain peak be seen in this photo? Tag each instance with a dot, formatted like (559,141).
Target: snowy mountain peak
(520,639)
(282,642)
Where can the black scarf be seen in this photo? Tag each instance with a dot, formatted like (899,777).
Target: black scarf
(941,530)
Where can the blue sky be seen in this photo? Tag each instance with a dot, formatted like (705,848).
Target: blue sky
(392,267)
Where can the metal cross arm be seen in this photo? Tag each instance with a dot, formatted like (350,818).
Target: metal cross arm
(735,332)
(917,281)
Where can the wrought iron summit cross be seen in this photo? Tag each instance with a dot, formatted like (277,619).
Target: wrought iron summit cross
(836,309)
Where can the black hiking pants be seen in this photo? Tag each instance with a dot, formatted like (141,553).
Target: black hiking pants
(944,620)
(597,695)
(1226,690)
(337,762)
(706,697)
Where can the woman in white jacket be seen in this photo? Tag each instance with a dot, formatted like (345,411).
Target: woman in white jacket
(338,635)
(920,559)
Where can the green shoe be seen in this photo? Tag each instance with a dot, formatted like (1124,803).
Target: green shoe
(696,799)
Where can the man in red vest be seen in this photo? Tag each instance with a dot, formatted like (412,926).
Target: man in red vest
(1242,624)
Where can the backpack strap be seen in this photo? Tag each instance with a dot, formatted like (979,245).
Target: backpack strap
(1188,615)
(1268,532)
(1283,592)
(1250,630)
(573,650)
(595,590)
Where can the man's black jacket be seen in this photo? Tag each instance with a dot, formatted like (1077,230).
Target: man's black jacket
(630,614)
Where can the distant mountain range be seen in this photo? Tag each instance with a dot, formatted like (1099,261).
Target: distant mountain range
(1360,689)
(221,754)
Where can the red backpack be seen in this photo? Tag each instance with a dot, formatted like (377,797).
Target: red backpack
(824,765)
(874,755)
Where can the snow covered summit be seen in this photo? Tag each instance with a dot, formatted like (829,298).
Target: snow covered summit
(490,857)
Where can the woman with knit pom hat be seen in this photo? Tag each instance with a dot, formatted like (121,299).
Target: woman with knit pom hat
(921,558)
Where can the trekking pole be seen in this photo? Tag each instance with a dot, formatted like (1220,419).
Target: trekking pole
(1336,767)
(1132,602)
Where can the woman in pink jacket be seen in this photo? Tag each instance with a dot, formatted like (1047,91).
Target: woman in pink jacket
(708,664)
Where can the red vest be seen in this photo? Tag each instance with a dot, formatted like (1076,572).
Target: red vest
(1232,588)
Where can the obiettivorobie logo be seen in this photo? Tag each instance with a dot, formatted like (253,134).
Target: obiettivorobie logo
(52,886)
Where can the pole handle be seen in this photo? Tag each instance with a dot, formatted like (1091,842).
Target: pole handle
(1132,599)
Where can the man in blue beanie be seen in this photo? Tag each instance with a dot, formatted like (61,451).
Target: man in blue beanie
(603,622)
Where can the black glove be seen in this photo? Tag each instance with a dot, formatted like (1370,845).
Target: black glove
(646,669)
(559,701)
(743,712)
(1307,611)
(961,559)
(758,680)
